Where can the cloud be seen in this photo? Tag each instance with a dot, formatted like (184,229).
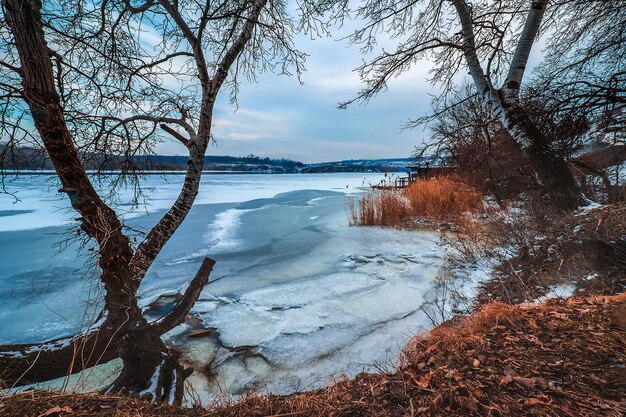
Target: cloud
(249,125)
(279,117)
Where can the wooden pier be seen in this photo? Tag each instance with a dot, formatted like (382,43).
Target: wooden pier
(417,172)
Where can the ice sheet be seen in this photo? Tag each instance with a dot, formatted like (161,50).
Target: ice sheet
(32,201)
(297,296)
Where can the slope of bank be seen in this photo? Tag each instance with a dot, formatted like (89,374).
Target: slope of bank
(558,358)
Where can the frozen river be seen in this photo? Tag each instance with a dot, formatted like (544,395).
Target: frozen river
(297,296)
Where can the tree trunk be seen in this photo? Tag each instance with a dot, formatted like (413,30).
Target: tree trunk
(144,355)
(551,169)
(151,369)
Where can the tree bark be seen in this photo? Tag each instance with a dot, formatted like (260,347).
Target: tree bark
(551,169)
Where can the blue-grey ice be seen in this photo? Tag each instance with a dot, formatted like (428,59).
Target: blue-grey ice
(297,296)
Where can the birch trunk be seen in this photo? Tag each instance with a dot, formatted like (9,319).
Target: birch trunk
(552,170)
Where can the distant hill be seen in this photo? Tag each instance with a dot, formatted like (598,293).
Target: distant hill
(26,158)
(250,163)
(361,165)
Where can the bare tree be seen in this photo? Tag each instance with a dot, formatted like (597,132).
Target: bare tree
(473,140)
(493,41)
(89,81)
(584,69)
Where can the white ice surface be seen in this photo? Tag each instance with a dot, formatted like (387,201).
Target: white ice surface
(33,202)
(349,303)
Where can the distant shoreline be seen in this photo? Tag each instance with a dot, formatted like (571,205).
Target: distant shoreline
(138,172)
(181,172)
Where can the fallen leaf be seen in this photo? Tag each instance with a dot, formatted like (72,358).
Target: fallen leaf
(431,348)
(424,380)
(597,380)
(505,380)
(56,410)
(535,401)
(477,392)
(469,404)
(532,338)
(476,363)
(542,383)
(524,382)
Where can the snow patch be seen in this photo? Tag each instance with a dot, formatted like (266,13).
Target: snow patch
(223,231)
(590,205)
(559,291)
(154,381)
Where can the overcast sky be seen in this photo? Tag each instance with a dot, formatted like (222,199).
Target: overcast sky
(278,117)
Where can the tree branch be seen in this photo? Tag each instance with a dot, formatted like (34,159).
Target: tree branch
(469,48)
(174,133)
(233,52)
(13,68)
(181,309)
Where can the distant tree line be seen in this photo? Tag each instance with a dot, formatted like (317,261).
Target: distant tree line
(29,158)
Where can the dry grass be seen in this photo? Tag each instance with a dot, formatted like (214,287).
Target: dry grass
(381,208)
(437,199)
(585,249)
(443,198)
(41,403)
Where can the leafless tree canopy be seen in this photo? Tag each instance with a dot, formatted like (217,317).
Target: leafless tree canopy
(585,62)
(492,40)
(123,68)
(584,39)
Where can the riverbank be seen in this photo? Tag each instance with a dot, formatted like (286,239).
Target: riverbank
(505,359)
(557,358)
